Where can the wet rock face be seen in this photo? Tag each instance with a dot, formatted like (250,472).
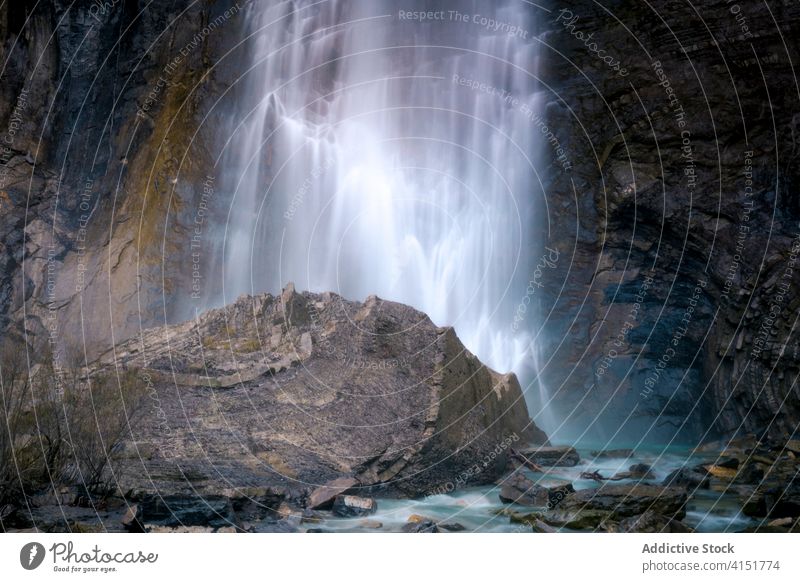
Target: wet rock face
(678,304)
(305,390)
(104,127)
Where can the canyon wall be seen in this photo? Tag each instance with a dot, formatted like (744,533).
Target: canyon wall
(677,223)
(111,110)
(669,171)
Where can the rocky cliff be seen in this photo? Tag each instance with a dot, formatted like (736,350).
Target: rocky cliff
(109,112)
(298,390)
(676,313)
(672,198)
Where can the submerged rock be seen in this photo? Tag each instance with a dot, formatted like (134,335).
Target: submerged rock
(309,388)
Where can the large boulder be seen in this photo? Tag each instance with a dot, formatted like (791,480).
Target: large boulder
(301,389)
(518,489)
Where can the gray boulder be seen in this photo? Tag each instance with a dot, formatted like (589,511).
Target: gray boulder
(301,389)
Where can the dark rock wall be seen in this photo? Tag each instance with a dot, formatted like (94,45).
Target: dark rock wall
(105,170)
(680,215)
(675,227)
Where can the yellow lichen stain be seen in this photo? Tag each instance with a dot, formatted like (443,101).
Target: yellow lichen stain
(153,201)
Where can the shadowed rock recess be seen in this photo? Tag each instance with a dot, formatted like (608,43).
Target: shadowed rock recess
(297,390)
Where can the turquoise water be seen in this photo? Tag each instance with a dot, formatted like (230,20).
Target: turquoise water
(475,507)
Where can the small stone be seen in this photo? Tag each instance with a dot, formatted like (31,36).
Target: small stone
(354,506)
(322,497)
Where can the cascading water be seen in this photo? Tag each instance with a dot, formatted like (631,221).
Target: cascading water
(378,154)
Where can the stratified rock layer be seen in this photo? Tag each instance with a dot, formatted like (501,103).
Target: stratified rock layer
(301,389)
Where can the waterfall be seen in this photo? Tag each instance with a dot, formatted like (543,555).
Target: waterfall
(377,154)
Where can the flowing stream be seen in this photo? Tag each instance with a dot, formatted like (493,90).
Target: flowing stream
(379,154)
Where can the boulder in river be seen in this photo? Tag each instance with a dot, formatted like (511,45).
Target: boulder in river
(354,506)
(521,490)
(546,456)
(590,508)
(301,389)
(688,477)
(652,522)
